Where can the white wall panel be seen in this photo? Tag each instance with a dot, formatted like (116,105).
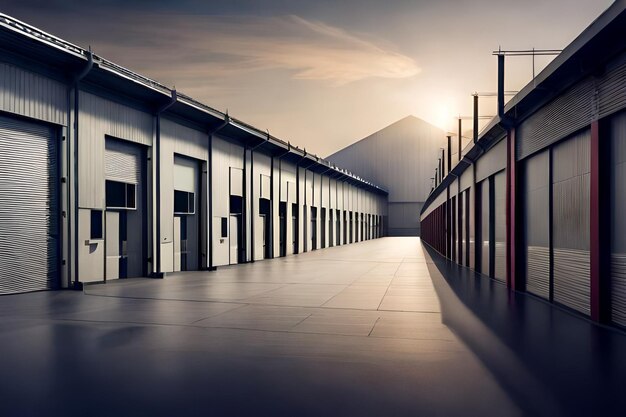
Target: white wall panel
(99,117)
(187,141)
(32,95)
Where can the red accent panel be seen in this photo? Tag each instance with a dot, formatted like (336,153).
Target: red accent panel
(511,215)
(595,221)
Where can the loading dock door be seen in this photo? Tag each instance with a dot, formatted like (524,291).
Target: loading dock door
(28,207)
(124,195)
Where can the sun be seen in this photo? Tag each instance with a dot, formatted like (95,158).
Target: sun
(443,115)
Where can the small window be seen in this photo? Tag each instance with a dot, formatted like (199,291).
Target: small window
(96,224)
(224,227)
(120,195)
(184,202)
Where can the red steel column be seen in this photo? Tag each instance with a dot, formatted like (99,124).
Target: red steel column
(595,221)
(511,211)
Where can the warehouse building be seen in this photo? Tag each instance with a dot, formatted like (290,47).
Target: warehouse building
(401,158)
(106,174)
(538,201)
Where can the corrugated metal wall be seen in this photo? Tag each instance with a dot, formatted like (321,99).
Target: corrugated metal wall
(617,135)
(399,158)
(571,225)
(32,95)
(574,109)
(536,190)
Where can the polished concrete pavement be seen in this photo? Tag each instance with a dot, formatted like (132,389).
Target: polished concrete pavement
(354,330)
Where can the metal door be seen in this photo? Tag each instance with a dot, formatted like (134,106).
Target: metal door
(234,239)
(177,244)
(112,245)
(28,207)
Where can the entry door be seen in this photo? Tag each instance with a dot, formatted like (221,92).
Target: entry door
(177,244)
(282,226)
(112,245)
(294,234)
(234,239)
(263,228)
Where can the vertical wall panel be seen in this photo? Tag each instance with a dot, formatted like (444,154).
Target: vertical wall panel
(536,197)
(570,190)
(187,141)
(32,95)
(617,135)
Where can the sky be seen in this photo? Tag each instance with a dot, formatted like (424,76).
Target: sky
(321,74)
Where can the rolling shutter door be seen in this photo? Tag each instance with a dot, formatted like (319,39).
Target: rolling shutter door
(122,162)
(28,207)
(537,224)
(571,221)
(499,219)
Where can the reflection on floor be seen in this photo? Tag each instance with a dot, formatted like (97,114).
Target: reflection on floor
(345,331)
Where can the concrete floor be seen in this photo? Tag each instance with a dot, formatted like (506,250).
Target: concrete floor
(348,331)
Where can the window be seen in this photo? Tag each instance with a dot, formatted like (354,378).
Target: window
(96,224)
(120,195)
(184,202)
(224,227)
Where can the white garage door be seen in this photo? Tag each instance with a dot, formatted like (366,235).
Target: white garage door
(28,207)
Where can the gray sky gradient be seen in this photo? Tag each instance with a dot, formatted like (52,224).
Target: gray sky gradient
(321,74)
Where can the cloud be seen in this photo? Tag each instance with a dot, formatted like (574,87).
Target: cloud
(186,46)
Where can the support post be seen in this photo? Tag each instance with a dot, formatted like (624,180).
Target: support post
(511,212)
(598,239)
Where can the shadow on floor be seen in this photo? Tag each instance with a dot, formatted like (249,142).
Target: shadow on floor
(551,361)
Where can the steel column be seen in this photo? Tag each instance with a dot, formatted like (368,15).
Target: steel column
(511,212)
(599,234)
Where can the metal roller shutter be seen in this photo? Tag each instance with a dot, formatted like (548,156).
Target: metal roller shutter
(537,224)
(122,161)
(28,207)
(571,221)
(499,219)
